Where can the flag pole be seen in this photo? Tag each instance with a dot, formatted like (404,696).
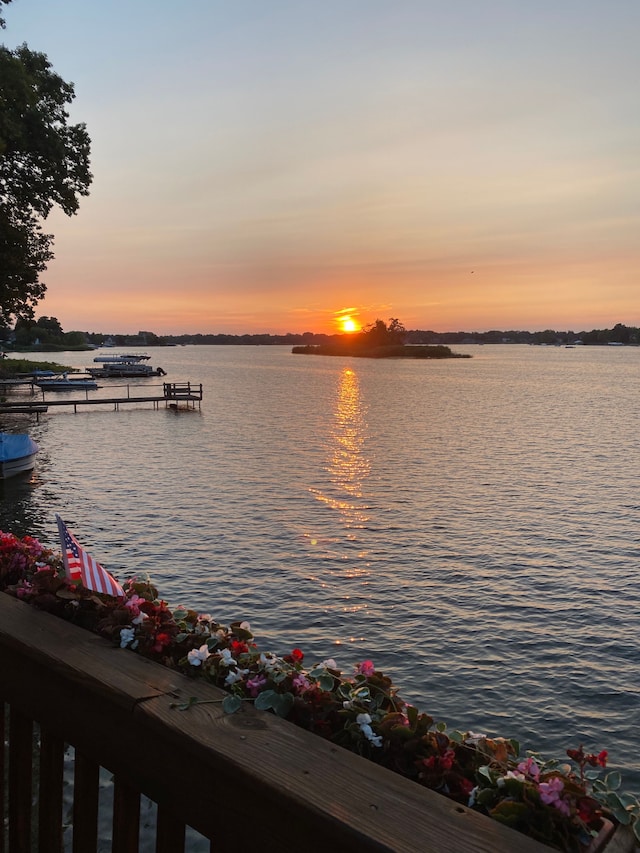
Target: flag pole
(65,559)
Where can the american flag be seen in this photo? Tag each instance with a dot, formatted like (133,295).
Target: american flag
(81,566)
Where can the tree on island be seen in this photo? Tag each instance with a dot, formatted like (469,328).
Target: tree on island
(44,161)
(379,334)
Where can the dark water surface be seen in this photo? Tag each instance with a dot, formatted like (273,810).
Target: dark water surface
(472,526)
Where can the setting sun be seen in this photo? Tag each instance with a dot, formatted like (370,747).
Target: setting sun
(348,324)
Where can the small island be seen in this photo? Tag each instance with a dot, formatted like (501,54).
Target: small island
(378,340)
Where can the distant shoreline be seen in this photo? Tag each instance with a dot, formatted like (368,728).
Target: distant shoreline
(437,351)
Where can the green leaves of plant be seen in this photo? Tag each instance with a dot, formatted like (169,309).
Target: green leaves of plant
(325,682)
(231,703)
(618,809)
(241,632)
(613,780)
(279,703)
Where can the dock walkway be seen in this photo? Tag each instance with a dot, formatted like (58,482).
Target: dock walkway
(173,393)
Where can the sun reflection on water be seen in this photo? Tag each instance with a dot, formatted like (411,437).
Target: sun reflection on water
(348,465)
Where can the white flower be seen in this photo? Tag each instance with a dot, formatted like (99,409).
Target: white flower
(226,658)
(127,637)
(197,656)
(510,775)
(269,661)
(472,797)
(474,738)
(235,675)
(364,721)
(246,626)
(329,664)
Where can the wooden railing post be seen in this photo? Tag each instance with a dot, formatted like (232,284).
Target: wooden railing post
(170,833)
(3,714)
(20,775)
(85,804)
(50,793)
(126,817)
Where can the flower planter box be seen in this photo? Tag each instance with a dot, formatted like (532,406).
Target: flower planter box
(614,839)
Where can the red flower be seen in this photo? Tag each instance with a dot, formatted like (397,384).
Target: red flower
(576,754)
(588,809)
(466,786)
(296,656)
(440,762)
(448,759)
(238,647)
(600,758)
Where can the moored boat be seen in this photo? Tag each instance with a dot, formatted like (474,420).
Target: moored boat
(63,382)
(17,454)
(126,365)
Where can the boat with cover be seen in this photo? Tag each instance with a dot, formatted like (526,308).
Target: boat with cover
(17,454)
(126,365)
(63,382)
(128,358)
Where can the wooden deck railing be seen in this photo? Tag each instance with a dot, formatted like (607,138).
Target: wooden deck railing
(242,780)
(183,391)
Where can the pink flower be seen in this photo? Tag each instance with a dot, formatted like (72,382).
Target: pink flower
(254,685)
(365,668)
(300,683)
(133,604)
(529,768)
(550,791)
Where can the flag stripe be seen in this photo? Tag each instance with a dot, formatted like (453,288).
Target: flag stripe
(81,566)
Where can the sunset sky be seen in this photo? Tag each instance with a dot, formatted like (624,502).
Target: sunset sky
(263,165)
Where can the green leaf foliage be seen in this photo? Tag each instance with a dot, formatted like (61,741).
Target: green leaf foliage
(613,780)
(326,682)
(270,700)
(44,162)
(231,703)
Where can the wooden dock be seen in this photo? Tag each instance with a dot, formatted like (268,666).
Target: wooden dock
(173,395)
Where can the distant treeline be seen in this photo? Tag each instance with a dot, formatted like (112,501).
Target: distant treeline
(620,334)
(47,334)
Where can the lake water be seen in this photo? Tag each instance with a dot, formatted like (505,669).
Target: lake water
(470,525)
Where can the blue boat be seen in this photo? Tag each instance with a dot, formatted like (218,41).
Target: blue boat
(17,454)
